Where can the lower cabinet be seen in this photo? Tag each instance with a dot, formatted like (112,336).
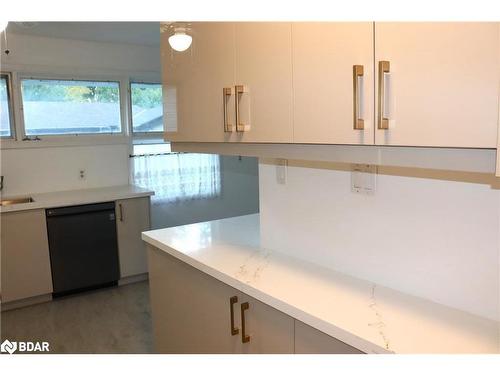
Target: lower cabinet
(309,340)
(268,330)
(196,313)
(24,255)
(192,313)
(132,218)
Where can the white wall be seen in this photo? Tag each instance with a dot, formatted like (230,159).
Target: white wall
(41,169)
(38,170)
(430,234)
(57,55)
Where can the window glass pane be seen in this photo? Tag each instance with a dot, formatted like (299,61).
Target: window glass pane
(56,107)
(147,107)
(4,108)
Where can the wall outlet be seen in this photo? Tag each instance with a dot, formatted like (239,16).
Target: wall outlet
(82,174)
(363,178)
(281,171)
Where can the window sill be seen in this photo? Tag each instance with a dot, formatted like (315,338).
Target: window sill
(65,141)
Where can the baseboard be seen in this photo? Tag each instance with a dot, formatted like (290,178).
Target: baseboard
(133,279)
(5,306)
(26,302)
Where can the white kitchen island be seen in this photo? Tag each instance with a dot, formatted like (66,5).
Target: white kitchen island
(364,315)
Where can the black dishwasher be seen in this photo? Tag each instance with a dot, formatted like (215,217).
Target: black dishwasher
(83,247)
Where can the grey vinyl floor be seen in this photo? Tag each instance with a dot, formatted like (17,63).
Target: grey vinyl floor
(113,320)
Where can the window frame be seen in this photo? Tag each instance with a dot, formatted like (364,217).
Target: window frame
(10,106)
(68,139)
(156,135)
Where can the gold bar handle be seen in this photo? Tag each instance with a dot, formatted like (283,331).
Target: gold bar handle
(120,207)
(226,95)
(357,97)
(232,301)
(383,68)
(239,90)
(244,337)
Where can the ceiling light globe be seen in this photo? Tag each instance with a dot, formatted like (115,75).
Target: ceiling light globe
(180,41)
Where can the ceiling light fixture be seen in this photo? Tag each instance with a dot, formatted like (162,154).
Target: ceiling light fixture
(180,41)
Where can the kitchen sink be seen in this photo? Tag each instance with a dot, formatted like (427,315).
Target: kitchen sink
(10,201)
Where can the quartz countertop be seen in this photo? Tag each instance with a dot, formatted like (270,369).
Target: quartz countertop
(367,316)
(76,197)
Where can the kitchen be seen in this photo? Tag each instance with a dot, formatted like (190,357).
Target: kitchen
(176,220)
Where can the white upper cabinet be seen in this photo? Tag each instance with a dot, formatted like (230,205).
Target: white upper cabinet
(193,83)
(442,84)
(263,67)
(325,93)
(399,84)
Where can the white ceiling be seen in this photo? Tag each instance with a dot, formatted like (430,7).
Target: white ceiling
(145,33)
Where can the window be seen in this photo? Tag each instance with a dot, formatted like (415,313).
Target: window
(64,107)
(147,107)
(175,177)
(6,122)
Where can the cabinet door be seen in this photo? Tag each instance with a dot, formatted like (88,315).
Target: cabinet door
(25,255)
(193,83)
(442,89)
(309,340)
(324,55)
(264,68)
(132,219)
(191,310)
(270,330)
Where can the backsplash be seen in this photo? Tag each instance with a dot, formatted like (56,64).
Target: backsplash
(39,170)
(432,234)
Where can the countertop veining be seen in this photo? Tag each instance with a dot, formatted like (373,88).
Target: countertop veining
(370,317)
(76,197)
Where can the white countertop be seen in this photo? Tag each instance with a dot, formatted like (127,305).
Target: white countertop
(370,317)
(76,197)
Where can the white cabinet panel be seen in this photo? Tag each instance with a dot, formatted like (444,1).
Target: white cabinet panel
(192,313)
(264,67)
(323,58)
(193,83)
(25,255)
(190,309)
(443,88)
(132,219)
(309,340)
(270,330)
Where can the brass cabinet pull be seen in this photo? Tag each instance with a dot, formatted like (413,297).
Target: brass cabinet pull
(121,211)
(244,337)
(232,301)
(383,68)
(226,95)
(239,90)
(357,93)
